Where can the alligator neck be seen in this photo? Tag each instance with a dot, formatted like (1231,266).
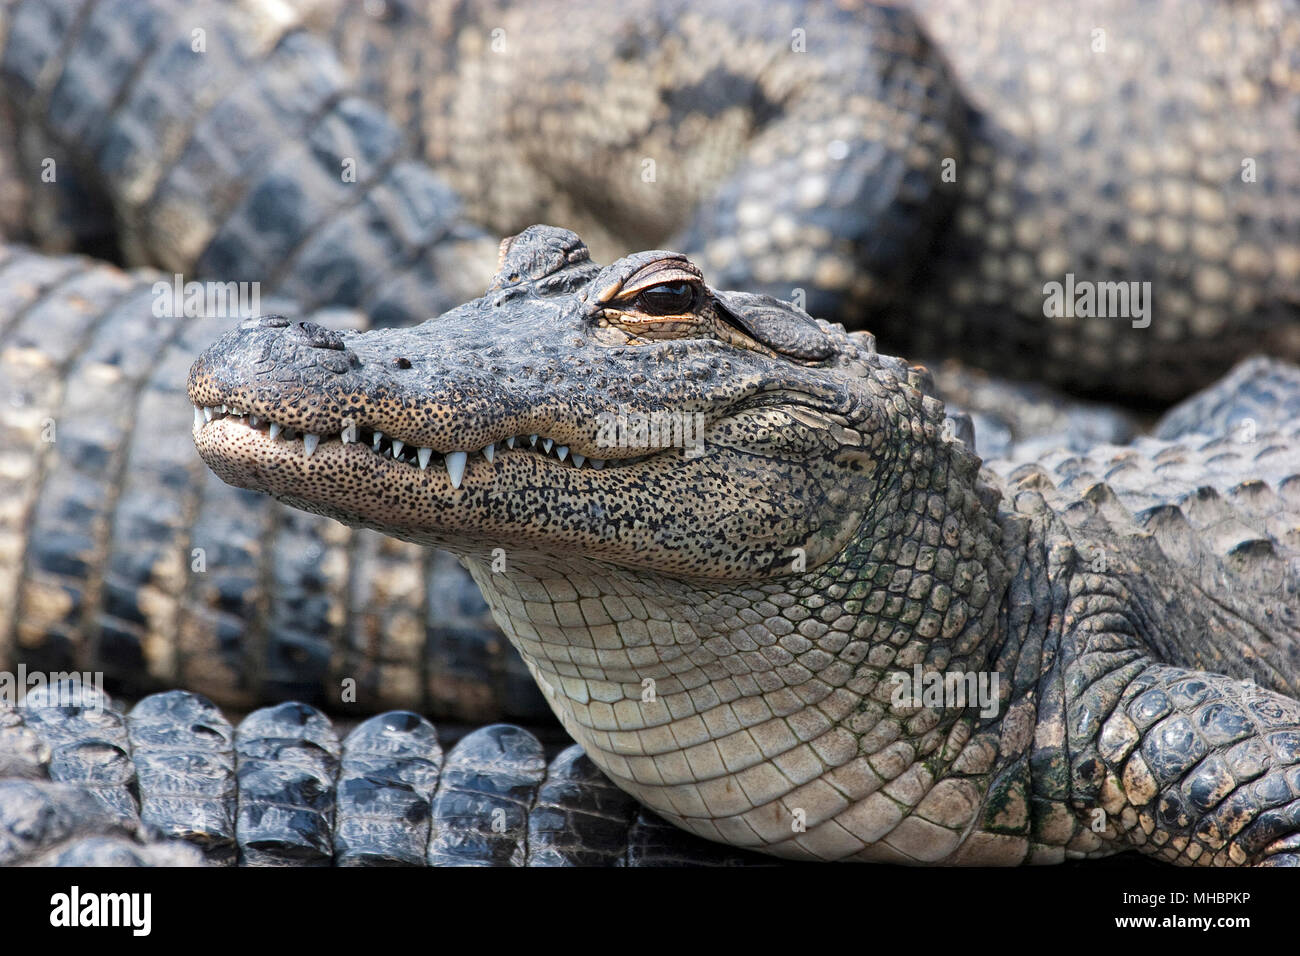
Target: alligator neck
(744,712)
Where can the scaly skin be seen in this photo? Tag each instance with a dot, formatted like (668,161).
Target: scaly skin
(120,553)
(1259,391)
(239,154)
(723,633)
(919,173)
(173,783)
(801,145)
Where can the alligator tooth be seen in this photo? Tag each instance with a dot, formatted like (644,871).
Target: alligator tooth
(397,448)
(532,440)
(424,454)
(349,434)
(598,463)
(252,421)
(275,430)
(198,417)
(510,442)
(578,459)
(223,409)
(456,467)
(207,413)
(379,437)
(490,451)
(562,452)
(309,442)
(548,443)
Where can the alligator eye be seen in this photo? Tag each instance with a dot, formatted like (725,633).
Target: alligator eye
(671,298)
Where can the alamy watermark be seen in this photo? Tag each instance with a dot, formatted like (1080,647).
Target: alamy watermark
(59,688)
(653,431)
(192,300)
(1100,300)
(947,689)
(133,911)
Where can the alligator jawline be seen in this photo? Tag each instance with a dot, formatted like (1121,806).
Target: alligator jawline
(389,448)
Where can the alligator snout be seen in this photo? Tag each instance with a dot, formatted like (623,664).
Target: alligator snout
(266,363)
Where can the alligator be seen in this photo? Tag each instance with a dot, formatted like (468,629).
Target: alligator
(220,140)
(149,125)
(60,766)
(870,160)
(776,599)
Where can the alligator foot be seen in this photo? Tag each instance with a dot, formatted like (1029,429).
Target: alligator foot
(1190,767)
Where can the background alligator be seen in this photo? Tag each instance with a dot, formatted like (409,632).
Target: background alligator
(1132,611)
(799,145)
(220,141)
(824,151)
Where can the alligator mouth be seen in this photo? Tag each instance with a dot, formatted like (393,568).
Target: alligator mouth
(390,448)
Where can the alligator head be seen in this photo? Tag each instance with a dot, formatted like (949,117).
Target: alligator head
(656,484)
(628,414)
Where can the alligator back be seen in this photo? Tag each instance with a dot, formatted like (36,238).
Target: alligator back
(1201,531)
(222,141)
(923,169)
(172,783)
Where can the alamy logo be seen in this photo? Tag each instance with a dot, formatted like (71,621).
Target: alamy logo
(947,689)
(60,688)
(192,300)
(1101,300)
(75,908)
(653,431)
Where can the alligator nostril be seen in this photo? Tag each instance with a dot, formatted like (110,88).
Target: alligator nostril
(318,337)
(402,362)
(265,322)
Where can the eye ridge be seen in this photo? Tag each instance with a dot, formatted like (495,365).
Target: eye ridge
(669,298)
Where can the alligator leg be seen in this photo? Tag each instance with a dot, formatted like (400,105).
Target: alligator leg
(883,193)
(1187,766)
